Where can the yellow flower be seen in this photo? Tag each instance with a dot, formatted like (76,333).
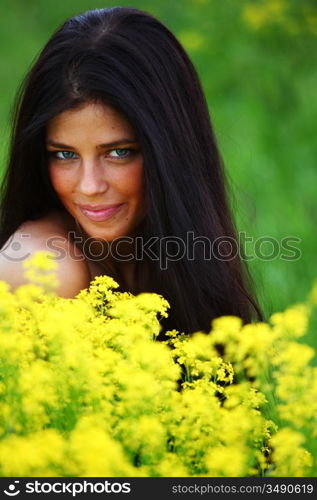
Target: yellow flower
(293,321)
(86,390)
(226,461)
(40,270)
(289,456)
(192,40)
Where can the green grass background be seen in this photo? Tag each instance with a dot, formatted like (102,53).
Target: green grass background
(257,64)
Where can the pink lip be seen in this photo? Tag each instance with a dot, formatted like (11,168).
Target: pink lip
(99,213)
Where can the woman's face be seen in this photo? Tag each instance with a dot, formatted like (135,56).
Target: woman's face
(96,168)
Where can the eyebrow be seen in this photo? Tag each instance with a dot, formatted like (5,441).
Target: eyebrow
(106,145)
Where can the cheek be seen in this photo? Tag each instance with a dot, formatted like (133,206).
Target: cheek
(60,181)
(131,183)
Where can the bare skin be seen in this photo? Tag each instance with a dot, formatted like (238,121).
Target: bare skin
(72,271)
(86,170)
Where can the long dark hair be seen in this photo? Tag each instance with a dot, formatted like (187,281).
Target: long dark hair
(126,58)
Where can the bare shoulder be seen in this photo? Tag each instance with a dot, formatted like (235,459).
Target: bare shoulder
(50,233)
(55,223)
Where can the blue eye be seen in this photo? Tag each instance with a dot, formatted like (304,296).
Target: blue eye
(64,155)
(122,152)
(116,154)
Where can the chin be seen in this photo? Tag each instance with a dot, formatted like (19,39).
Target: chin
(106,235)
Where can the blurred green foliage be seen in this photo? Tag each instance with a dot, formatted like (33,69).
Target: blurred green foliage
(257,64)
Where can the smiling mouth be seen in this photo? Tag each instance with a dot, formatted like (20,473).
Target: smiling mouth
(100,214)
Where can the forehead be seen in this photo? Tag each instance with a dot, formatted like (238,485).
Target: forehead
(88,120)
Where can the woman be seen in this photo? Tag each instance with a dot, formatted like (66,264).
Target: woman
(115,167)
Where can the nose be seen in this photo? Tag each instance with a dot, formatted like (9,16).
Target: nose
(92,179)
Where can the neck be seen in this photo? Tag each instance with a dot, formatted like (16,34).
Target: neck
(116,260)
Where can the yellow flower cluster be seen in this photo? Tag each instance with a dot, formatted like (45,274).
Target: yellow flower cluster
(86,390)
(294,17)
